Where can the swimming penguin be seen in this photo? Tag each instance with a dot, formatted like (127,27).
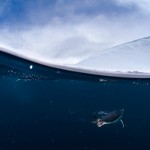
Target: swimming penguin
(109,118)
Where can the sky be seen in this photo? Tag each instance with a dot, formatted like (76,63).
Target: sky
(69,31)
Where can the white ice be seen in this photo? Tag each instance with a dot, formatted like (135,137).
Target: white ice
(127,60)
(131,58)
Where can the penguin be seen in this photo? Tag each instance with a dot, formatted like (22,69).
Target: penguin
(109,118)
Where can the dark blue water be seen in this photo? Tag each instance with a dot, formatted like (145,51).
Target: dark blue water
(52,109)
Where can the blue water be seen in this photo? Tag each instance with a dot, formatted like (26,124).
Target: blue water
(45,108)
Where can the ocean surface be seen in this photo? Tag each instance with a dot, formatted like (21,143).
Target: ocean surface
(45,108)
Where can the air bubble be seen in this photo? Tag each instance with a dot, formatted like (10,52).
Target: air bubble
(31,66)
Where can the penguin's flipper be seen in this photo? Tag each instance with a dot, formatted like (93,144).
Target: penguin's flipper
(122,123)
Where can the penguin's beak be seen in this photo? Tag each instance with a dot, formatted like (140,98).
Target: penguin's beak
(97,121)
(94,121)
